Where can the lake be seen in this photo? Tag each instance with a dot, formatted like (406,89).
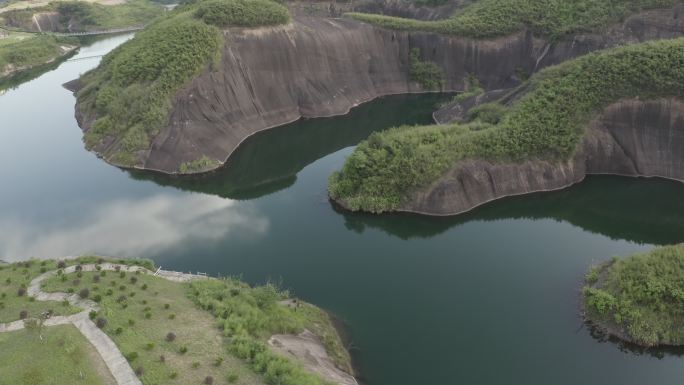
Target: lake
(490,297)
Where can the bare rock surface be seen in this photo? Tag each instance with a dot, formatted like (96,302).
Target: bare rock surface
(307,349)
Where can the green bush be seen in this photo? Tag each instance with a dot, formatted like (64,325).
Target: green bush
(242,13)
(642,295)
(553,18)
(546,123)
(427,73)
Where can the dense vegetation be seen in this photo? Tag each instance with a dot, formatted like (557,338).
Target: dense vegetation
(130,92)
(249,315)
(242,13)
(427,73)
(29,51)
(553,18)
(546,123)
(640,297)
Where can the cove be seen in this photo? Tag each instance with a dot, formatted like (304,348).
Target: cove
(486,298)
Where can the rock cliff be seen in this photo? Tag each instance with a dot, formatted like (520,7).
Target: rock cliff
(632,138)
(319,66)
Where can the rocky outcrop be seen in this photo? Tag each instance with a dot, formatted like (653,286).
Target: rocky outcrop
(318,67)
(311,68)
(632,138)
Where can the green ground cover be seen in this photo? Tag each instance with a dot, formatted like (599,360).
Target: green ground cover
(642,295)
(250,315)
(14,280)
(140,311)
(61,356)
(130,92)
(546,123)
(552,18)
(22,50)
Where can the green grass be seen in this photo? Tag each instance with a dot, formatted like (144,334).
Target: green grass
(62,356)
(130,92)
(198,165)
(146,338)
(642,295)
(16,277)
(546,123)
(30,50)
(552,18)
(249,315)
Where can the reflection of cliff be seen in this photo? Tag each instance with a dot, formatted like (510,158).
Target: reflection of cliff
(637,210)
(269,161)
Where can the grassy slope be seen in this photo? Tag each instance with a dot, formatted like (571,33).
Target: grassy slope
(62,356)
(30,51)
(553,18)
(130,92)
(209,352)
(194,329)
(642,294)
(546,123)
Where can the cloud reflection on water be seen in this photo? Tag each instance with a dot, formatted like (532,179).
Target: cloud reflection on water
(131,227)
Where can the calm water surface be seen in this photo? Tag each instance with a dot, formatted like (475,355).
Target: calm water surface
(485,298)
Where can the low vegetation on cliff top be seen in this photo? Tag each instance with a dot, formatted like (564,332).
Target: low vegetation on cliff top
(546,123)
(640,298)
(130,93)
(553,18)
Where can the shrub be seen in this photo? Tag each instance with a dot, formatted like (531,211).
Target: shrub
(118,331)
(84,293)
(23,314)
(21,292)
(97,298)
(195,365)
(101,322)
(209,380)
(166,306)
(131,322)
(171,337)
(92,314)
(427,73)
(132,356)
(183,349)
(96,279)
(172,316)
(149,346)
(232,378)
(218,361)
(144,286)
(139,371)
(134,280)
(173,374)
(61,264)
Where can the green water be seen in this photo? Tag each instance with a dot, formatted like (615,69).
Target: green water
(488,298)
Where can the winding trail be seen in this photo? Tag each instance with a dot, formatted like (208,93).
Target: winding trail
(106,348)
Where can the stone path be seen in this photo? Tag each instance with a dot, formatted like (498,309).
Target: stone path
(110,353)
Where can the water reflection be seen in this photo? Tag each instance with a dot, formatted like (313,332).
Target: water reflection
(131,226)
(638,210)
(659,352)
(269,161)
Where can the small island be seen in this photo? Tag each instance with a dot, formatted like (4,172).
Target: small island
(639,299)
(94,320)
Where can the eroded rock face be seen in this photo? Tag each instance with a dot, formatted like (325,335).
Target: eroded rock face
(319,67)
(632,137)
(312,68)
